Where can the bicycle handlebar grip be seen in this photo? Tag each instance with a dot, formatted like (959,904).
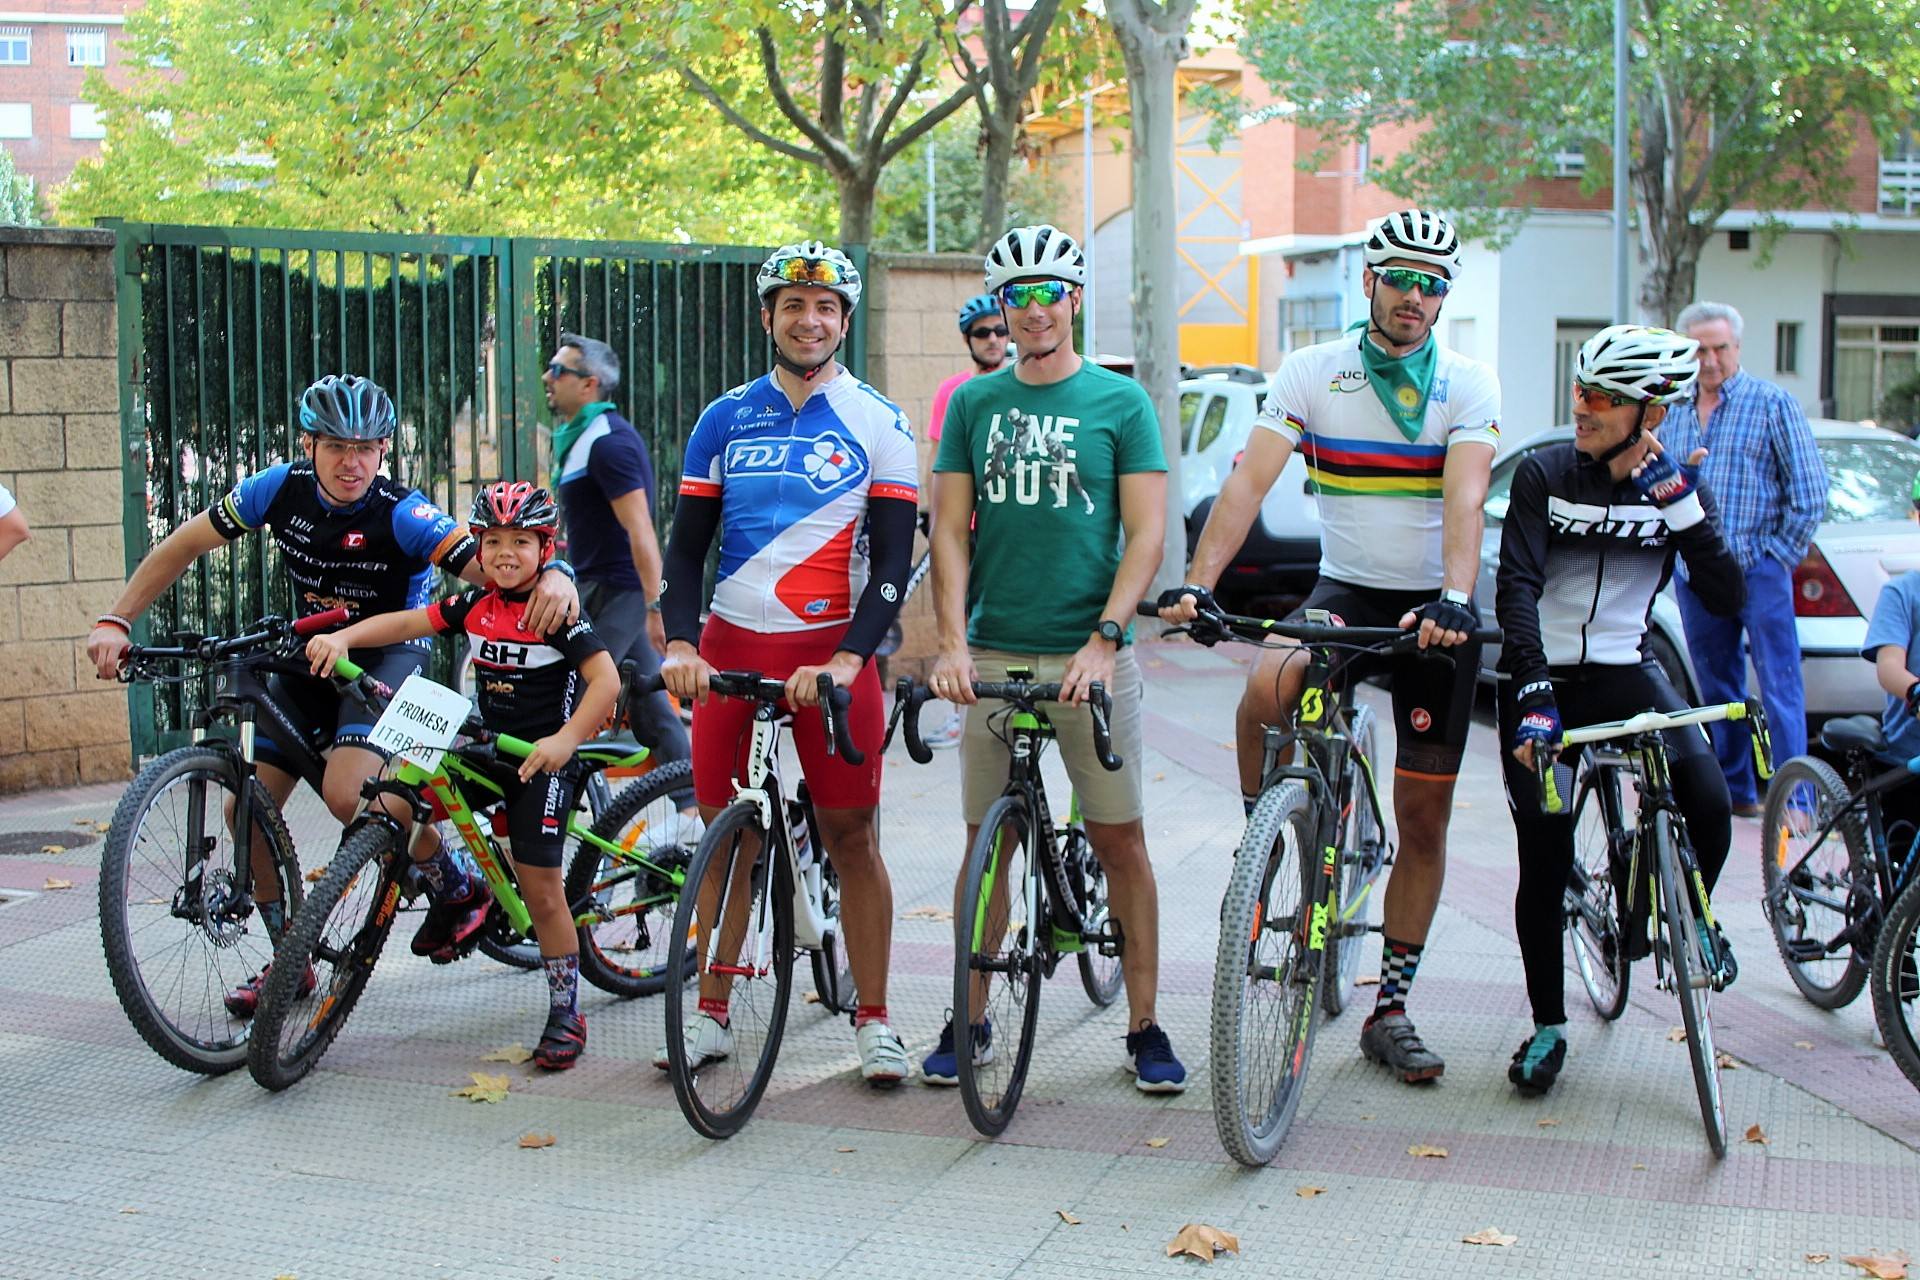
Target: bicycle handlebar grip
(519,748)
(1551,801)
(833,713)
(1762,740)
(348,669)
(314,623)
(917,696)
(1101,707)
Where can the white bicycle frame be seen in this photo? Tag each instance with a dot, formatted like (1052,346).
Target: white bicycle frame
(1652,721)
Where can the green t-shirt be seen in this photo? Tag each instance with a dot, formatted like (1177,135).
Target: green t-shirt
(1046,465)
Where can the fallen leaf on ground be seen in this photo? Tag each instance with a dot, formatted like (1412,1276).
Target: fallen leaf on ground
(53,848)
(845,1151)
(1881,1266)
(1366,1117)
(1725,1061)
(83,822)
(1202,1241)
(314,876)
(1640,1167)
(1067,1218)
(1157,1143)
(1367,980)
(485,1088)
(1490,1235)
(809,997)
(129,1209)
(927,913)
(1803,1044)
(534,1141)
(1159,777)
(515,1052)
(54,882)
(1308,1193)
(1756,1134)
(103,827)
(1677,1034)
(1463,804)
(1425,1152)
(1819,1257)
(1547,1123)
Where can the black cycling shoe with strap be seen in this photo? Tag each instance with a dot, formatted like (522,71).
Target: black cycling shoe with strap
(563,1041)
(1537,1062)
(1390,1040)
(450,923)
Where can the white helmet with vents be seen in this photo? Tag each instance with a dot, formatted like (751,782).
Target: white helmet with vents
(1035,253)
(810,262)
(1654,366)
(1419,235)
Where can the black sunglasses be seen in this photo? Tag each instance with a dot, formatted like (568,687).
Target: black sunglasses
(557,370)
(997,331)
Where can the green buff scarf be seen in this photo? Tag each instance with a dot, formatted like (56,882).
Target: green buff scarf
(569,431)
(1401,382)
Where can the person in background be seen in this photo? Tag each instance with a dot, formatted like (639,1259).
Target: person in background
(13,525)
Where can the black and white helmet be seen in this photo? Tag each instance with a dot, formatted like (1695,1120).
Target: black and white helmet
(1035,253)
(1654,366)
(347,407)
(810,262)
(1416,234)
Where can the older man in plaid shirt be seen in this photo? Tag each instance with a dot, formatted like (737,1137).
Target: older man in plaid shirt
(1762,465)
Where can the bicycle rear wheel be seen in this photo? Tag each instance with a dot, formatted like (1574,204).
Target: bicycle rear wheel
(998,964)
(1363,851)
(1101,975)
(737,910)
(1896,980)
(1595,901)
(1816,897)
(177,932)
(1687,965)
(323,964)
(1266,976)
(623,950)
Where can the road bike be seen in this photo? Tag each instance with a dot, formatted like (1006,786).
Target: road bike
(323,964)
(1032,893)
(1630,835)
(761,889)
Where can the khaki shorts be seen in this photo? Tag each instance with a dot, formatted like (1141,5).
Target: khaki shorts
(1114,797)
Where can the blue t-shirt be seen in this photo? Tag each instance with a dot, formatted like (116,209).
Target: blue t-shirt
(1896,620)
(609,460)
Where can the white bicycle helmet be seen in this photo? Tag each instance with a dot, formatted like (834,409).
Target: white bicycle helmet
(1654,366)
(810,262)
(1419,235)
(1035,253)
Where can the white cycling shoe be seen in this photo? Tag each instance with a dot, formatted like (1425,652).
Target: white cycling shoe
(883,1059)
(707,1041)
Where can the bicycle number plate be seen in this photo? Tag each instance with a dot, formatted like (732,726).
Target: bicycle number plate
(421,722)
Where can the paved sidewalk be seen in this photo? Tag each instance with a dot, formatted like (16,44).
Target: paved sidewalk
(115,1164)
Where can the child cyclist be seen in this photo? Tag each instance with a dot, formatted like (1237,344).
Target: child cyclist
(553,689)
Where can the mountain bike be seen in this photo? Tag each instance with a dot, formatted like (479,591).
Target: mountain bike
(1649,849)
(1032,893)
(759,889)
(1294,920)
(322,965)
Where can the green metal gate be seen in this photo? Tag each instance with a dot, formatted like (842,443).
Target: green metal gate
(222,328)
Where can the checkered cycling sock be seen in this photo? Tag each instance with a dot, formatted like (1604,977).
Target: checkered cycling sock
(563,983)
(1398,960)
(863,1014)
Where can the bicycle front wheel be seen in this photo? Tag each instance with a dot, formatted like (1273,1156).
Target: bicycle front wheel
(178,931)
(1896,980)
(324,962)
(1687,967)
(1817,895)
(1363,851)
(623,909)
(998,964)
(1266,976)
(737,910)
(1595,900)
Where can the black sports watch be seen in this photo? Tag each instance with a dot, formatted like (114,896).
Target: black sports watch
(1112,632)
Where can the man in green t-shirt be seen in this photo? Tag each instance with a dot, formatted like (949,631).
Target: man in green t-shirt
(1054,458)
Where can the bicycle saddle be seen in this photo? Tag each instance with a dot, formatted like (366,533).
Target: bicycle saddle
(1853,733)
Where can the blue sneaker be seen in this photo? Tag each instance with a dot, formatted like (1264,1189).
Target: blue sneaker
(942,1066)
(1150,1057)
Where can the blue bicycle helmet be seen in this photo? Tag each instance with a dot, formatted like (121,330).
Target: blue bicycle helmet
(976,308)
(347,407)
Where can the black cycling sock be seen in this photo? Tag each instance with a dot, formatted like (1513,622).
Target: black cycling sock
(1398,961)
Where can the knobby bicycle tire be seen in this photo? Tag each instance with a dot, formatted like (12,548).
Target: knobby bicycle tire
(1015,950)
(141,933)
(1688,969)
(727,1100)
(626,953)
(1101,976)
(1801,896)
(1896,980)
(1595,901)
(339,934)
(1267,977)
(1362,854)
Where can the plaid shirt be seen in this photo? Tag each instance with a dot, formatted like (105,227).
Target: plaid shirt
(1761,464)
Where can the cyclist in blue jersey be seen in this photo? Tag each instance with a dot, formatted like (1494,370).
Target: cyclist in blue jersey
(348,537)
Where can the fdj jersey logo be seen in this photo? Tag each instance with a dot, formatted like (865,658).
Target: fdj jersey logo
(756,457)
(830,460)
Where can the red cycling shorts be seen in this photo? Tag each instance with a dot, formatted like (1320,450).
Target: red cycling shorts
(721,725)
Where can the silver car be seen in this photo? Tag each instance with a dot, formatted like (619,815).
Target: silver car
(1867,536)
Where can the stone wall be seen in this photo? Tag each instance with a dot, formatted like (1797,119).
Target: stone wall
(914,345)
(60,455)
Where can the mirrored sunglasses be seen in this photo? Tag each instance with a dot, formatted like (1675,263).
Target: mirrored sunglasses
(1406,280)
(1026,292)
(808,271)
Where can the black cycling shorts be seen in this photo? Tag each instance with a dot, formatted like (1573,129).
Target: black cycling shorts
(1432,701)
(537,814)
(337,720)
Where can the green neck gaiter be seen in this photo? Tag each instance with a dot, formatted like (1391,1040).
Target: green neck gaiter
(1401,382)
(569,431)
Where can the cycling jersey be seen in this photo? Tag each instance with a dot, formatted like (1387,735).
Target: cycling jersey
(1379,492)
(373,556)
(794,486)
(529,684)
(1582,556)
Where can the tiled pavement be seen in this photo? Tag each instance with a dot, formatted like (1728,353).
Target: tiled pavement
(115,1164)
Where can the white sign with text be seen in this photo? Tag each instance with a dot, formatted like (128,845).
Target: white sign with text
(421,722)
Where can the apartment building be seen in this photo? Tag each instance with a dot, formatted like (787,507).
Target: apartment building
(46,50)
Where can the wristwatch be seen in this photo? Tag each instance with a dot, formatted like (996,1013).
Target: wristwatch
(1112,632)
(1452,596)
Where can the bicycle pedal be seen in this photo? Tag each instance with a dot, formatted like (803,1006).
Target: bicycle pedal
(1802,950)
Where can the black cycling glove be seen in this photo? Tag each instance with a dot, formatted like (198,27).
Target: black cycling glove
(1449,615)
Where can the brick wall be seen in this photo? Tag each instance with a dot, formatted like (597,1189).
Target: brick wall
(60,455)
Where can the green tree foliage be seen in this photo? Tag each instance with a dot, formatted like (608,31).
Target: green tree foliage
(961,165)
(19,197)
(1734,102)
(519,116)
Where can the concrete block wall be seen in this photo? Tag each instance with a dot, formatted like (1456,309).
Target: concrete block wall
(60,455)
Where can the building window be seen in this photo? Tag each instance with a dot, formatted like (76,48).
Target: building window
(1568,335)
(1900,176)
(1786,347)
(1305,321)
(1569,164)
(1870,358)
(84,121)
(16,119)
(16,46)
(86,47)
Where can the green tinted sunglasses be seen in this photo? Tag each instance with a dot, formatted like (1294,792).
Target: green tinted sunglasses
(1406,280)
(1027,292)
